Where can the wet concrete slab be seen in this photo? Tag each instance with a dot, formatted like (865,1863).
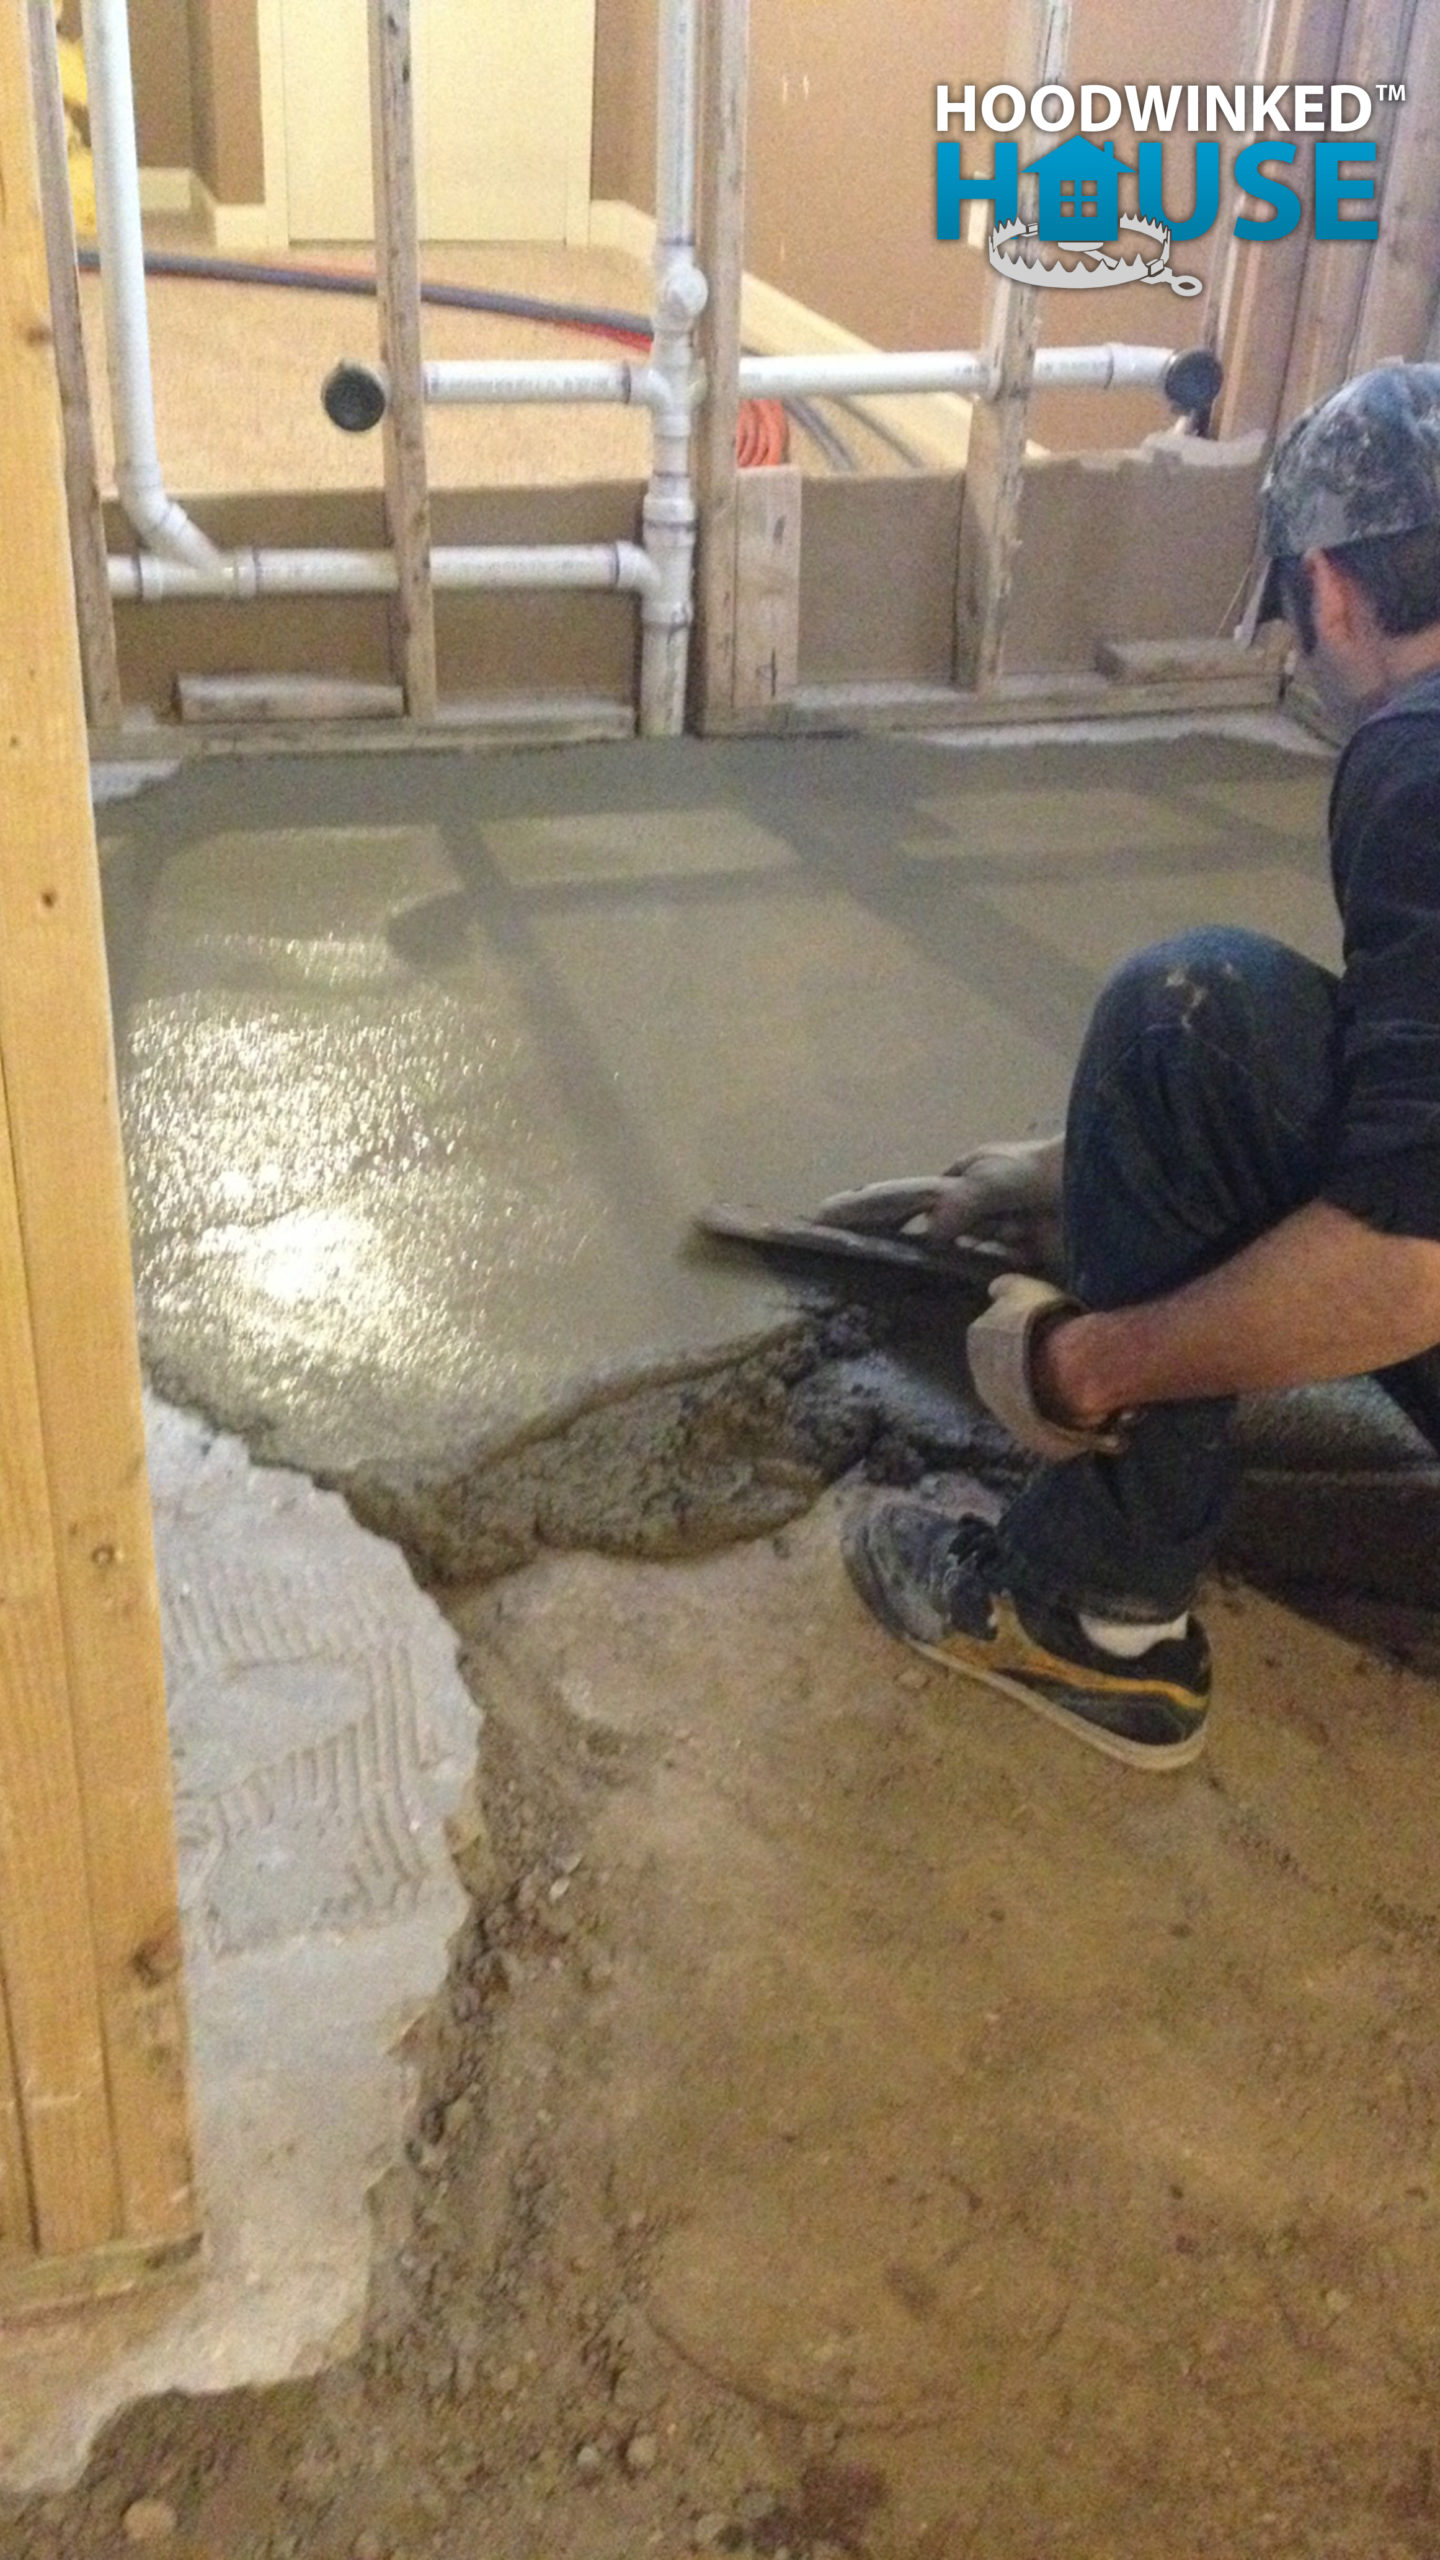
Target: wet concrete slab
(427,1063)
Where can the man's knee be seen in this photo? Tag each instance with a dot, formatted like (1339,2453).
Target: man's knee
(1220,989)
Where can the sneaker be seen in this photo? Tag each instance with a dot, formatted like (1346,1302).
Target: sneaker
(937,1582)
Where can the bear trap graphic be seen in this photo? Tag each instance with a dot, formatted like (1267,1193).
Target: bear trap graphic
(1102,270)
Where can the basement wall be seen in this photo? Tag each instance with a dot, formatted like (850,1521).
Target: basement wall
(1132,546)
(229,151)
(841,208)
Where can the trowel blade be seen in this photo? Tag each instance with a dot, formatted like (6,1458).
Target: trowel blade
(968,1264)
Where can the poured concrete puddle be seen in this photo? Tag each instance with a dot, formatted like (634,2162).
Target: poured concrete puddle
(427,1062)
(855,2122)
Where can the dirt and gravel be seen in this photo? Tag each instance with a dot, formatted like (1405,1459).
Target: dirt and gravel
(863,2123)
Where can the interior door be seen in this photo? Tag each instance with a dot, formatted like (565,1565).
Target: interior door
(504,95)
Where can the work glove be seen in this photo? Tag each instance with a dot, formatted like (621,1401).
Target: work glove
(1001,1347)
(1008,1193)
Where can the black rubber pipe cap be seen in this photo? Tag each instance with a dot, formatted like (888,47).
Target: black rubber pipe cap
(1193,382)
(354,398)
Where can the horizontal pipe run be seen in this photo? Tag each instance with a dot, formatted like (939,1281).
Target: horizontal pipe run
(1106,368)
(461,382)
(241,576)
(1056,368)
(805,377)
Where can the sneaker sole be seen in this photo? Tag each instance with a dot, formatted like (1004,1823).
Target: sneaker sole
(1158,1756)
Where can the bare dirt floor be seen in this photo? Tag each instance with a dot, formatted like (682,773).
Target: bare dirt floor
(864,2123)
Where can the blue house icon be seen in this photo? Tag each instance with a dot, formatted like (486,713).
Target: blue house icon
(1079,190)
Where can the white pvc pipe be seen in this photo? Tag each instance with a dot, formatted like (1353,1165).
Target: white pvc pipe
(669,513)
(242,575)
(160,522)
(845,376)
(1101,368)
(1104,368)
(464,381)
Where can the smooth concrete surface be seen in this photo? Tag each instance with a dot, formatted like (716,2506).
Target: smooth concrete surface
(428,1061)
(324,1753)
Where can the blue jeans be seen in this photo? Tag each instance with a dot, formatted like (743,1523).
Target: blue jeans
(1203,1111)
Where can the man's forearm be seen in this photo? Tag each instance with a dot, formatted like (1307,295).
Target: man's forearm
(1319,1296)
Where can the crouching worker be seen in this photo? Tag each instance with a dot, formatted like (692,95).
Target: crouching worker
(1247,1194)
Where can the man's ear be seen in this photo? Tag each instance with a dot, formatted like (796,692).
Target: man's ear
(1342,609)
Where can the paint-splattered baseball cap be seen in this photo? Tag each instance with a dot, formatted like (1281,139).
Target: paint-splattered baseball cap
(1362,463)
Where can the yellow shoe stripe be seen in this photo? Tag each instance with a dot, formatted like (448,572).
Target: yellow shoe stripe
(1011,1649)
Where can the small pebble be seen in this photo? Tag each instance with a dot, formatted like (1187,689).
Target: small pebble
(457,2116)
(589,2462)
(148,2520)
(913,1680)
(641,2455)
(1336,2302)
(706,2531)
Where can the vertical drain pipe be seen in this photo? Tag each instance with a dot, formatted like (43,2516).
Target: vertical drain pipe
(160,521)
(680,297)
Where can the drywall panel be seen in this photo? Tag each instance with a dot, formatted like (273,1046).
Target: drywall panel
(1151,545)
(877,580)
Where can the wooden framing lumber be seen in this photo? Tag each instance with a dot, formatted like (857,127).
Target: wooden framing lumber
(994,470)
(88,561)
(1402,285)
(17,2221)
(397,268)
(767,586)
(1261,282)
(725,73)
(275,699)
(89,1937)
(851,710)
(1327,326)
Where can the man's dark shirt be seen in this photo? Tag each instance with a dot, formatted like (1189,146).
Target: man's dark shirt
(1385,863)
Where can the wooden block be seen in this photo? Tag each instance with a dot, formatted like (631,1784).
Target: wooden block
(241,698)
(89,1937)
(1181,661)
(767,586)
